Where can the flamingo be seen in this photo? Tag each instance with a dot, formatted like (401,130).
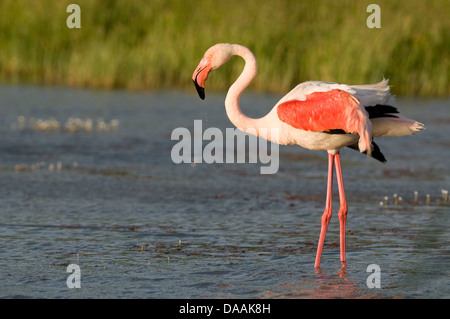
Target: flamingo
(315,115)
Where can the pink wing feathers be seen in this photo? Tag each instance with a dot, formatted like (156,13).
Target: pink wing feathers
(328,111)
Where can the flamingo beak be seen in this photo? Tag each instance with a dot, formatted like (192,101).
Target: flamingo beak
(200,90)
(200,75)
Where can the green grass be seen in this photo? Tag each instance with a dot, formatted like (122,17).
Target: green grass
(153,44)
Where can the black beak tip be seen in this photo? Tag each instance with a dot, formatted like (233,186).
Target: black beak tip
(200,90)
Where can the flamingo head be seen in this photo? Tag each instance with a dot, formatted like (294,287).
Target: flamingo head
(214,57)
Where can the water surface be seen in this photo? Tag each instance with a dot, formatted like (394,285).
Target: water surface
(139,226)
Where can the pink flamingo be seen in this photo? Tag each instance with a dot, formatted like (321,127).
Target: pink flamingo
(315,115)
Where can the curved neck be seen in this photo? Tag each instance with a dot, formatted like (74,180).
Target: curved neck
(234,112)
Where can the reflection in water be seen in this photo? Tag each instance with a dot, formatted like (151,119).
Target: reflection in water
(73,124)
(321,286)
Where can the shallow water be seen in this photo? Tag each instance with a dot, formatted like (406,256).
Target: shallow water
(140,226)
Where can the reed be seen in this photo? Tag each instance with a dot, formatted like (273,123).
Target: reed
(147,45)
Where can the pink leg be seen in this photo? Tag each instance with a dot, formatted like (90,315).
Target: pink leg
(343,205)
(327,213)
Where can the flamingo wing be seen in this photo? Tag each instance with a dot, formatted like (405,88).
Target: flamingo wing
(333,111)
(367,94)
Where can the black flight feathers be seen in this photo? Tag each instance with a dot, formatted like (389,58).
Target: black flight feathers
(381,111)
(376,153)
(374,111)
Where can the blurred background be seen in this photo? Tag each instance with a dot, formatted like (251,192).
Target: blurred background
(148,45)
